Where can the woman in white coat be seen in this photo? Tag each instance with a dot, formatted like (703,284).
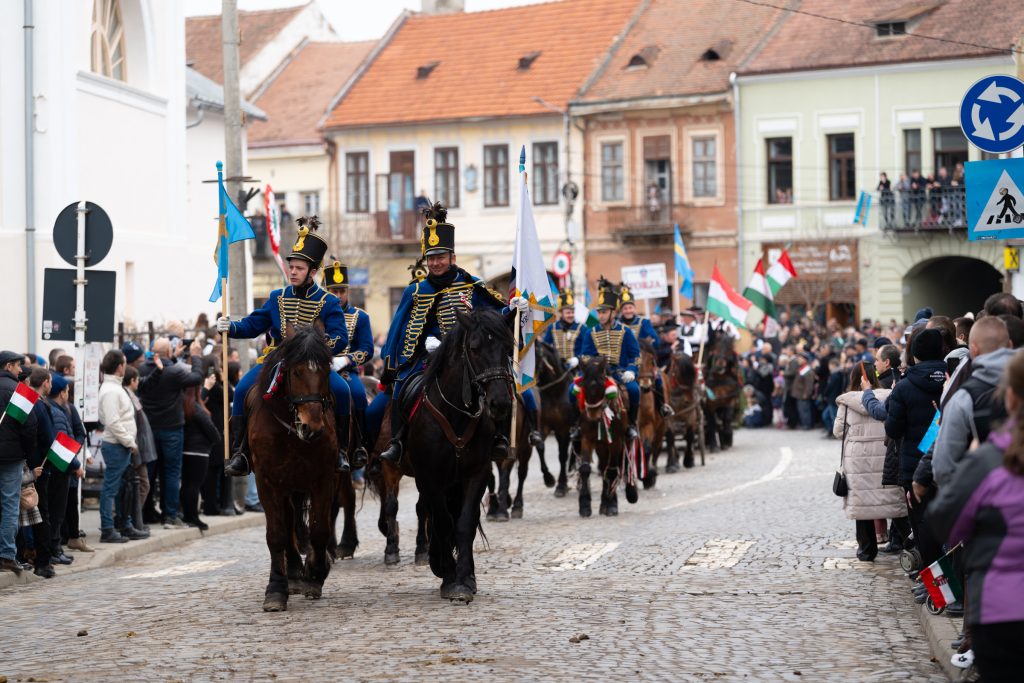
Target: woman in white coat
(863,457)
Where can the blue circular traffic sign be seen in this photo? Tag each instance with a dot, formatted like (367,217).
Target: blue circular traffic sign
(992,114)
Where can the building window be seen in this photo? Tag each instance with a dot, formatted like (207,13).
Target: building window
(545,173)
(950,149)
(357,182)
(612,186)
(912,150)
(705,178)
(310,203)
(108,55)
(842,179)
(780,170)
(446,176)
(891,28)
(496,175)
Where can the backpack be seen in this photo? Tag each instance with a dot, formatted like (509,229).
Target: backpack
(987,412)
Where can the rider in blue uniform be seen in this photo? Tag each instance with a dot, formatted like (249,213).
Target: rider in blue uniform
(617,343)
(424,315)
(358,352)
(562,335)
(302,302)
(642,329)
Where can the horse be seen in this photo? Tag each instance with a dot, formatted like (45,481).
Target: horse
(653,426)
(686,398)
(603,426)
(467,396)
(500,505)
(723,386)
(294,455)
(554,380)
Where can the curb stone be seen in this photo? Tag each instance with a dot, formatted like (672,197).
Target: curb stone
(941,630)
(161,539)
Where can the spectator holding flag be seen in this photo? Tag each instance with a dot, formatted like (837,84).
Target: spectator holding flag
(17,441)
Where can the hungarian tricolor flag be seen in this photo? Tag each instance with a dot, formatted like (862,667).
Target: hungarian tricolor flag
(759,294)
(941,581)
(63,451)
(21,403)
(780,273)
(724,302)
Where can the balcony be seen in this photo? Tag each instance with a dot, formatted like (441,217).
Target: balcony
(934,210)
(641,224)
(401,227)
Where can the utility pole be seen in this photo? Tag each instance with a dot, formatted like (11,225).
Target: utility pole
(238,304)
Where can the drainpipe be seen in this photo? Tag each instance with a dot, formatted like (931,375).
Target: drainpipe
(30,186)
(739,179)
(200,113)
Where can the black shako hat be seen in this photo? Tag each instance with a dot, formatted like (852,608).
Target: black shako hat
(309,246)
(438,234)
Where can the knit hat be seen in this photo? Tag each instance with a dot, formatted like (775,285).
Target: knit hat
(927,345)
(923,314)
(57,384)
(880,342)
(132,351)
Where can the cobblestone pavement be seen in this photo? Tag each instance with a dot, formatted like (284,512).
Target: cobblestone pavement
(740,570)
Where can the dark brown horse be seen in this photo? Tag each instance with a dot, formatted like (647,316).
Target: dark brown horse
(685,395)
(603,426)
(553,382)
(721,377)
(294,452)
(501,506)
(653,427)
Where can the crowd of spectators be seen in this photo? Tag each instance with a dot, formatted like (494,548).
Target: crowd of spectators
(938,199)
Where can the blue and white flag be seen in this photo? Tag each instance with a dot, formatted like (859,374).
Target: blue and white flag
(863,209)
(683,270)
(529,281)
(233,228)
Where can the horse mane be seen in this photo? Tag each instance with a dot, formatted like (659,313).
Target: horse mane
(305,344)
(686,370)
(483,319)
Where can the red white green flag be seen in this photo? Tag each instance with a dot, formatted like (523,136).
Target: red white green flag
(724,302)
(941,581)
(21,403)
(759,294)
(780,273)
(63,451)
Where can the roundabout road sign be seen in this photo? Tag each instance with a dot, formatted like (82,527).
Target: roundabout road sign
(992,114)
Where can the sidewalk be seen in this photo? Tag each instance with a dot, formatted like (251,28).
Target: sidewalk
(110,553)
(941,631)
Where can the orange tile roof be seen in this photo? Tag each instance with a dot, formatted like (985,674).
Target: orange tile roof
(299,95)
(204,46)
(673,35)
(805,42)
(478,55)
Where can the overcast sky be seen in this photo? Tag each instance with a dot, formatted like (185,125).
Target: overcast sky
(352,19)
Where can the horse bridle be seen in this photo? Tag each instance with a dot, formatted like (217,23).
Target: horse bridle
(326,403)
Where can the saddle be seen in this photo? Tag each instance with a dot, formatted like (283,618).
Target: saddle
(412,391)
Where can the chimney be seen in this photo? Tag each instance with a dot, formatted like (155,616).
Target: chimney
(443,6)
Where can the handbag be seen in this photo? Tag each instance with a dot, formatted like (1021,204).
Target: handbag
(29,497)
(840,486)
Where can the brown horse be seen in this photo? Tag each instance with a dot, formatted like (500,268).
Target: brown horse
(653,427)
(603,426)
(721,375)
(294,453)
(685,395)
(554,380)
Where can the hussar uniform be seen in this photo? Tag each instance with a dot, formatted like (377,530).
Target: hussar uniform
(643,329)
(563,335)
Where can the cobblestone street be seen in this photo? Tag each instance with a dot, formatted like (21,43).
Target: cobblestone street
(742,569)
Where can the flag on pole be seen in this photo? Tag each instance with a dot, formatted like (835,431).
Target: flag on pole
(780,273)
(941,581)
(584,315)
(530,281)
(759,294)
(683,269)
(21,403)
(233,227)
(273,214)
(63,451)
(724,302)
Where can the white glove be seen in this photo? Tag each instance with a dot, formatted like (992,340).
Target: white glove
(431,343)
(519,302)
(223,324)
(573,362)
(628,377)
(339,363)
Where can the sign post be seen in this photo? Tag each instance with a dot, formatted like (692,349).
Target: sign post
(646,282)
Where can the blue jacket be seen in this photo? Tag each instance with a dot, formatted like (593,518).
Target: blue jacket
(360,337)
(61,421)
(617,344)
(285,304)
(642,328)
(424,312)
(563,336)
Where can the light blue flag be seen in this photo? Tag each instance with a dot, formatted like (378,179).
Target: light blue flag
(233,227)
(860,215)
(928,440)
(683,269)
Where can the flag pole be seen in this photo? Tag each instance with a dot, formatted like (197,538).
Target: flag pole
(675,298)
(223,311)
(703,337)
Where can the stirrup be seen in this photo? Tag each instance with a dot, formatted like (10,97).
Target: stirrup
(393,453)
(666,410)
(359,458)
(631,432)
(536,439)
(237,466)
(342,464)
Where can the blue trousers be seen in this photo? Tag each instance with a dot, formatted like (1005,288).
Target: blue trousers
(339,388)
(169,449)
(375,413)
(116,459)
(10,504)
(356,390)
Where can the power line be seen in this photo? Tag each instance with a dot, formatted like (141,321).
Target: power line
(862,24)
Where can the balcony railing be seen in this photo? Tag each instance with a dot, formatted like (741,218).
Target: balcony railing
(939,208)
(400,227)
(639,223)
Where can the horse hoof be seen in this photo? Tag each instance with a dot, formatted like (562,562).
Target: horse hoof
(296,586)
(672,469)
(422,559)
(549,479)
(346,553)
(517,513)
(497,517)
(585,511)
(612,511)
(457,593)
(631,494)
(649,481)
(602,510)
(313,591)
(391,559)
(561,490)
(275,602)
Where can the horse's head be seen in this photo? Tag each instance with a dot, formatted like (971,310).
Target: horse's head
(723,358)
(304,379)
(684,372)
(549,363)
(648,365)
(594,376)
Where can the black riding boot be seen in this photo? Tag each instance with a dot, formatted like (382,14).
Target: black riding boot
(536,440)
(393,453)
(359,454)
(238,465)
(343,430)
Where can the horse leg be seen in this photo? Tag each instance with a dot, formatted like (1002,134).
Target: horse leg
(349,535)
(318,565)
(279,540)
(608,493)
(727,419)
(585,506)
(652,465)
(504,499)
(492,497)
(563,461)
(442,558)
(299,543)
(336,505)
(691,436)
(672,465)
(549,479)
(422,533)
(522,470)
(711,436)
(465,533)
(389,505)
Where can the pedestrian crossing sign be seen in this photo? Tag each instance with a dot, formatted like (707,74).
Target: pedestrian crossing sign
(995,199)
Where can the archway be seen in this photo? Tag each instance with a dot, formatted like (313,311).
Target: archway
(950,285)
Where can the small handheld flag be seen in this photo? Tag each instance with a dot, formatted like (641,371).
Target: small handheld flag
(233,228)
(941,580)
(21,403)
(63,451)
(931,435)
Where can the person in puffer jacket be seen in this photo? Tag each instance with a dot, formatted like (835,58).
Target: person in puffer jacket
(910,410)
(863,455)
